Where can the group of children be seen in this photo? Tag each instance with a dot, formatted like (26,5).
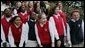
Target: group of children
(28,26)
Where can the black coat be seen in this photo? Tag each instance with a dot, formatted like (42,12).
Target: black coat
(76,31)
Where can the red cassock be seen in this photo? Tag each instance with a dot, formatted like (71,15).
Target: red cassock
(16,32)
(59,25)
(44,33)
(5,26)
(24,17)
(63,15)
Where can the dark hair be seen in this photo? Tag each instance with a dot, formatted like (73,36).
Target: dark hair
(54,10)
(13,19)
(6,10)
(75,11)
(42,6)
(19,10)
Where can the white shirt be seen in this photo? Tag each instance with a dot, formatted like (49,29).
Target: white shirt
(15,12)
(2,34)
(24,36)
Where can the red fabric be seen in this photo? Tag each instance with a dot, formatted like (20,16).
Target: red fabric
(16,32)
(63,15)
(30,11)
(5,26)
(24,17)
(59,25)
(44,34)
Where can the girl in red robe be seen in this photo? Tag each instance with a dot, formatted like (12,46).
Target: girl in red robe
(5,24)
(17,32)
(44,32)
(59,24)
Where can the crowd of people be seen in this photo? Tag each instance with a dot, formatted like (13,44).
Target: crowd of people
(40,24)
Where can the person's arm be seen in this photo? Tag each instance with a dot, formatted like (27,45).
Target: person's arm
(11,39)
(54,30)
(2,35)
(82,27)
(27,31)
(51,33)
(37,36)
(65,33)
(68,35)
(51,20)
(24,35)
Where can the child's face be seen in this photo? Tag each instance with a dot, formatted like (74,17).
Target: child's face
(30,4)
(75,15)
(43,19)
(56,10)
(60,5)
(33,16)
(23,8)
(18,21)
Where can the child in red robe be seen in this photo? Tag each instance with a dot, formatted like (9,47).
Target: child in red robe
(59,24)
(5,24)
(44,32)
(17,32)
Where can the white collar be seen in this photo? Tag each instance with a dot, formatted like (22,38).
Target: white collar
(8,19)
(73,20)
(32,20)
(16,26)
(56,15)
